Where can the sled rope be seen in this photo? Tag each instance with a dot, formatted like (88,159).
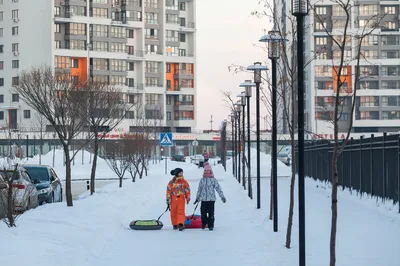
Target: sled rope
(195,209)
(167,209)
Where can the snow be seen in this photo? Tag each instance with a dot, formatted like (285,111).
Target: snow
(95,232)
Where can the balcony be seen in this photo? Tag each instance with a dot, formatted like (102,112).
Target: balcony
(183,106)
(183,74)
(135,55)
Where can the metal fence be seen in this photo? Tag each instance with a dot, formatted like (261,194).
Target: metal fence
(366,165)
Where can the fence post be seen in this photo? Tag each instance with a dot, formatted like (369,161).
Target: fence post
(383,167)
(351,168)
(361,142)
(398,172)
(87,185)
(371,172)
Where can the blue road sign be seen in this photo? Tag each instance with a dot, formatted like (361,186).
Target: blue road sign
(165,139)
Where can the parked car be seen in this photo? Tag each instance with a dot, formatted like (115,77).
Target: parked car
(178,158)
(197,159)
(25,194)
(47,182)
(284,158)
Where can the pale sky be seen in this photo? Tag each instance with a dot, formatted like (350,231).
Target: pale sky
(226,34)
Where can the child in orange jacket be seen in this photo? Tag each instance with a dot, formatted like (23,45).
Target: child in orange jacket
(178,192)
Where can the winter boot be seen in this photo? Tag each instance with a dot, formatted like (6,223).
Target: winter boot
(175,227)
(211,228)
(181,227)
(203,226)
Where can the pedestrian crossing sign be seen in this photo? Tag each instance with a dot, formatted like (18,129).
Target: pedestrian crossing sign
(166,139)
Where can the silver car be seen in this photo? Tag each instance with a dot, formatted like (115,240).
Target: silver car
(24,192)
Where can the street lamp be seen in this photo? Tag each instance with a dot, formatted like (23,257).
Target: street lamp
(242,97)
(274,40)
(235,147)
(300,10)
(258,68)
(248,85)
(238,111)
(233,143)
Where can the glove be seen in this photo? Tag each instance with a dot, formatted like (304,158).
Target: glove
(194,203)
(223,199)
(168,201)
(188,201)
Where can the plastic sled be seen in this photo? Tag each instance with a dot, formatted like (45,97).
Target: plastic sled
(146,225)
(193,221)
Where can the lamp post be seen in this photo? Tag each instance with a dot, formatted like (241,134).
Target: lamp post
(233,143)
(248,86)
(300,10)
(274,40)
(258,68)
(238,111)
(242,97)
(235,116)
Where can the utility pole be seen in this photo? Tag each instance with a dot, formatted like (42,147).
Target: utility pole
(211,123)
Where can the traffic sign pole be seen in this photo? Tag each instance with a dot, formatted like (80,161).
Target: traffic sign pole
(166,140)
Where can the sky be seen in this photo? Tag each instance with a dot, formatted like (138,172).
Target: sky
(226,35)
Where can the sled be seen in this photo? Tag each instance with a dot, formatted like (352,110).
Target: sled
(146,225)
(193,221)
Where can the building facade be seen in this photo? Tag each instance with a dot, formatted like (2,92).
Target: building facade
(144,47)
(377,103)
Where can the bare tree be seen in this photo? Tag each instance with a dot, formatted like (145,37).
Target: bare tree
(116,158)
(106,109)
(39,126)
(58,97)
(342,81)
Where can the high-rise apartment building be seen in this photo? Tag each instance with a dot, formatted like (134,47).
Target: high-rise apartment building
(377,106)
(145,47)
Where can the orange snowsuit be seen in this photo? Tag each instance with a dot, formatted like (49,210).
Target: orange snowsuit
(178,192)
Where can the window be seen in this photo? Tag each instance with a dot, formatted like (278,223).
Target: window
(1,65)
(57,11)
(130,33)
(152,82)
(1,15)
(151,34)
(15,81)
(389,10)
(321,40)
(130,115)
(389,25)
(100,64)
(101,78)
(1,82)
(182,52)
(390,115)
(171,36)
(1,48)
(134,15)
(131,50)
(57,44)
(151,67)
(172,19)
(182,6)
(100,30)
(15,63)
(152,18)
(1,32)
(100,12)
(14,13)
(152,98)
(153,114)
(27,114)
(182,37)
(168,84)
(118,47)
(369,101)
(61,62)
(182,22)
(118,32)
(172,5)
(390,100)
(118,80)
(169,117)
(320,26)
(75,44)
(151,3)
(1,98)
(370,40)
(390,40)
(100,46)
(118,65)
(151,49)
(14,31)
(57,28)
(131,66)
(131,98)
(320,10)
(130,82)
(15,47)
(75,28)
(368,10)
(1,115)
(338,11)
(15,97)
(74,63)
(77,10)
(183,115)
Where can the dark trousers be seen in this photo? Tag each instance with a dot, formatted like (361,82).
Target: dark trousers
(207,213)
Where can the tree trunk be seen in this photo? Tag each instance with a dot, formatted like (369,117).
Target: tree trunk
(291,204)
(94,165)
(334,207)
(120,181)
(41,145)
(68,192)
(271,204)
(10,203)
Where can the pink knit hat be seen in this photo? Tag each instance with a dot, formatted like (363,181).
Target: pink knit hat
(208,172)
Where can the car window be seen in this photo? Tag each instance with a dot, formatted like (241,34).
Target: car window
(25,176)
(54,174)
(40,173)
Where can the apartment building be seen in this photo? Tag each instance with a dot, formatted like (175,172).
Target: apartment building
(145,47)
(377,106)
